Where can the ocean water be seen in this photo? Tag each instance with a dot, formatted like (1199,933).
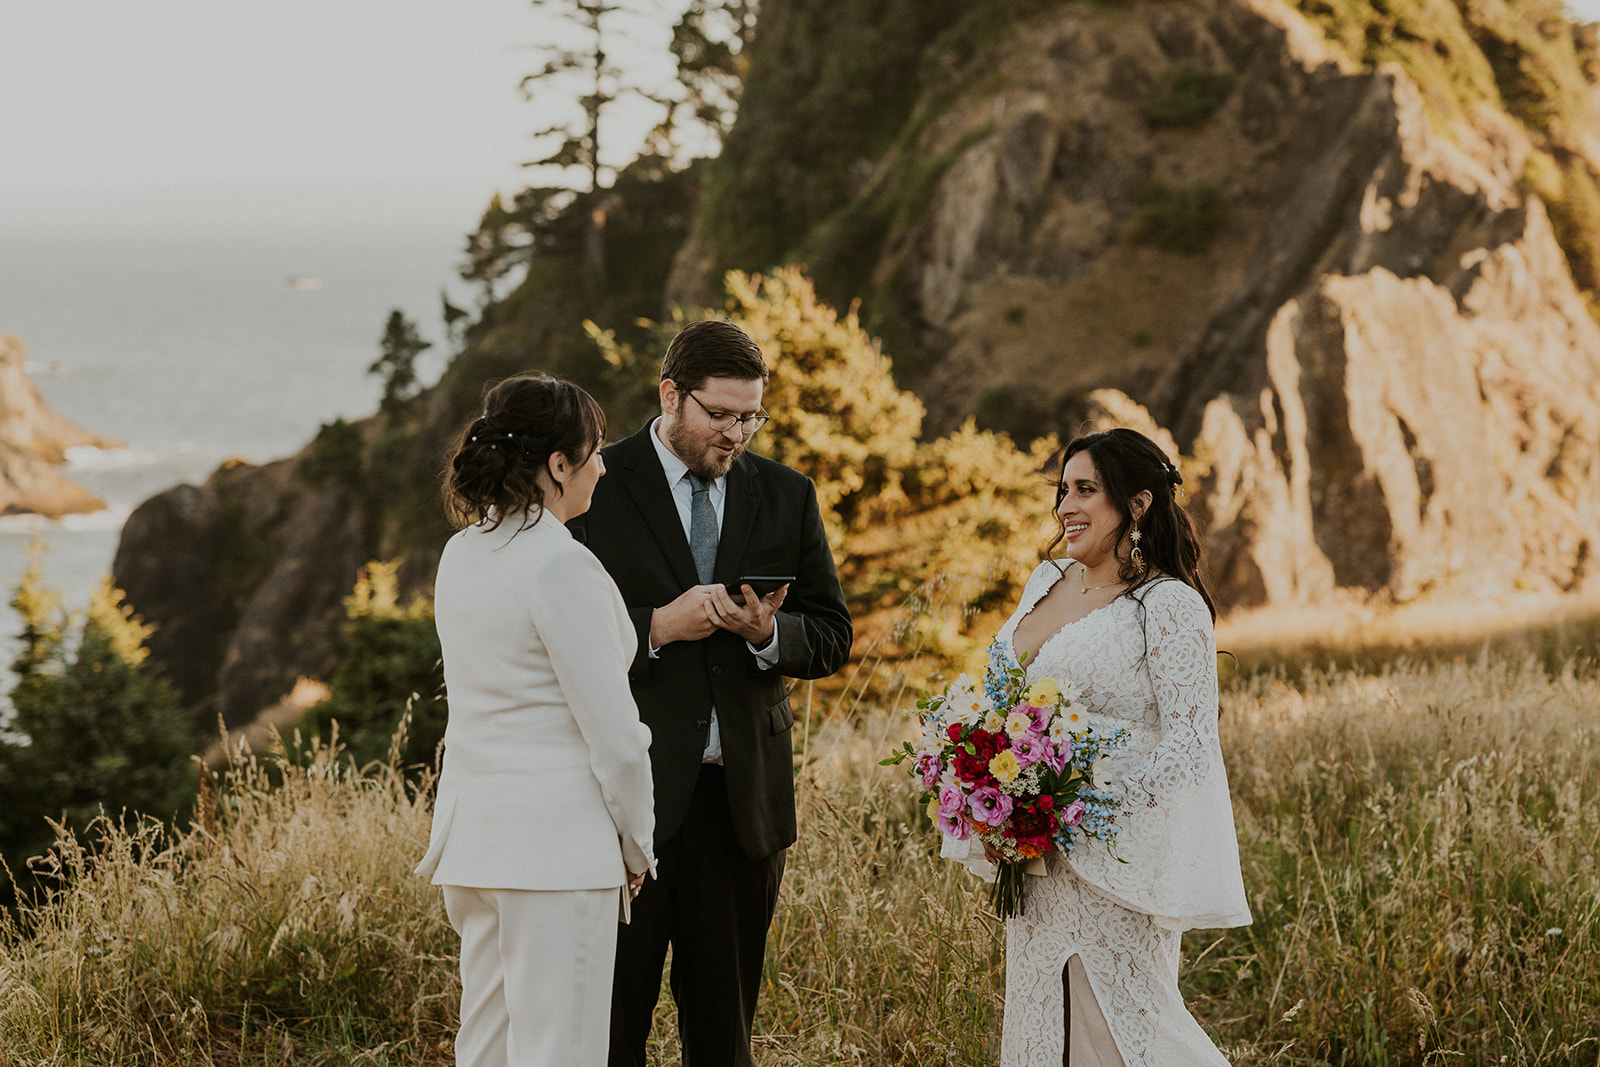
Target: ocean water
(191,346)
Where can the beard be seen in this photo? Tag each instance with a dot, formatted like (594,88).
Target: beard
(697,455)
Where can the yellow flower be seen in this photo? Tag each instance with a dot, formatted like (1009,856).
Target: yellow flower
(1005,766)
(1043,693)
(933,807)
(993,722)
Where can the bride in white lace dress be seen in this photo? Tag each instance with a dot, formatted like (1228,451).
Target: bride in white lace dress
(1092,963)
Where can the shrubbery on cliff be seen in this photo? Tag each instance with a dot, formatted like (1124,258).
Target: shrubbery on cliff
(391,665)
(94,731)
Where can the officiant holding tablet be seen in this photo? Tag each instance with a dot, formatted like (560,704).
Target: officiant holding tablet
(684,513)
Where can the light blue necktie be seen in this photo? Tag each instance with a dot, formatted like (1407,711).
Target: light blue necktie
(703,534)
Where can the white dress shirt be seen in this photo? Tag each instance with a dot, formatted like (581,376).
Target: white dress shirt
(677,472)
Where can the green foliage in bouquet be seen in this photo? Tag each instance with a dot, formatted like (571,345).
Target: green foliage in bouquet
(93,729)
(392,663)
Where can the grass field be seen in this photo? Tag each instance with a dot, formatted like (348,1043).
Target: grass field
(1419,844)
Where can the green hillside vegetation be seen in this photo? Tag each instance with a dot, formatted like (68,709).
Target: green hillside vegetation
(1418,848)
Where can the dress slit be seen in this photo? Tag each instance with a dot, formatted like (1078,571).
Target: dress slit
(1089,1041)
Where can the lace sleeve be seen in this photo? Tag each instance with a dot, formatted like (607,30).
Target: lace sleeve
(1182,657)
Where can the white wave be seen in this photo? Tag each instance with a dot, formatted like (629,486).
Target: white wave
(90,522)
(90,458)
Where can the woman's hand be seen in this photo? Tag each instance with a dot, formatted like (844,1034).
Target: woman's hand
(991,854)
(635,884)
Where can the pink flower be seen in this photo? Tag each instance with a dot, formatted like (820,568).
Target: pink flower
(1038,714)
(989,805)
(951,801)
(1072,814)
(1056,756)
(955,826)
(930,768)
(1030,748)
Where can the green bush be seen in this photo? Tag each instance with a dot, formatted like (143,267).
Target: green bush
(1186,95)
(391,664)
(93,729)
(1185,219)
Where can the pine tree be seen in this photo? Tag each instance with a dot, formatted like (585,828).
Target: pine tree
(397,366)
(93,728)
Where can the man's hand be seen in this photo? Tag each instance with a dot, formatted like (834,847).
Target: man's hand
(688,618)
(751,620)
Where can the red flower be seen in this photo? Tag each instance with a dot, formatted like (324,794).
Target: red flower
(1031,823)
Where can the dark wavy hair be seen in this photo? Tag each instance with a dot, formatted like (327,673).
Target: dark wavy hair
(712,348)
(494,467)
(1128,463)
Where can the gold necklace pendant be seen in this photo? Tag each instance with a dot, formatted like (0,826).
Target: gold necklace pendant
(1087,588)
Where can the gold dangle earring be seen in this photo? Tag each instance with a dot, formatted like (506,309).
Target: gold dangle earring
(1136,557)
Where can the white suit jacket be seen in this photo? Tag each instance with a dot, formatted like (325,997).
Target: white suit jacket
(546,777)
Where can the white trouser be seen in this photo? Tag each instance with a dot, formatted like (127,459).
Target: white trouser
(536,972)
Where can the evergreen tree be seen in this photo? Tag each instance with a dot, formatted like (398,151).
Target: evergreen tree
(93,728)
(711,42)
(397,366)
(391,663)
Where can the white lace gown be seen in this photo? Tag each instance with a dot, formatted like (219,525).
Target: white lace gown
(1152,670)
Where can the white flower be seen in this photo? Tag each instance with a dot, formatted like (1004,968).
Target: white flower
(1059,729)
(968,703)
(1018,723)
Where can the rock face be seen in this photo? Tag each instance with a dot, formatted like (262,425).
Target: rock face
(33,443)
(244,577)
(1357,325)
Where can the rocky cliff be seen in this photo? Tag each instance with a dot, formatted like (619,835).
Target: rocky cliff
(1333,283)
(1332,262)
(33,444)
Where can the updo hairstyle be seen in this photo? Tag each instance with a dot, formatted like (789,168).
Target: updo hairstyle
(1128,463)
(494,468)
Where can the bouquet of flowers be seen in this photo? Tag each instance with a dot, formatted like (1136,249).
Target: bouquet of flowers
(1012,763)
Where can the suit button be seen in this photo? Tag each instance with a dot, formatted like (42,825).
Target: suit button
(716,672)
(702,724)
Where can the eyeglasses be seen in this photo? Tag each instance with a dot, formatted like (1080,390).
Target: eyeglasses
(723,421)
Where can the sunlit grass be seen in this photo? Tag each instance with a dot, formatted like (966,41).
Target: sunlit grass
(1419,846)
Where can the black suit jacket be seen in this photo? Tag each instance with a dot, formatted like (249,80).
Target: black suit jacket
(770,525)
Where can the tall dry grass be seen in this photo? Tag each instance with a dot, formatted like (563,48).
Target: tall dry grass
(1420,849)
(1419,846)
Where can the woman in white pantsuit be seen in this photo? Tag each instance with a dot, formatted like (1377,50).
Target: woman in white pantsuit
(542,826)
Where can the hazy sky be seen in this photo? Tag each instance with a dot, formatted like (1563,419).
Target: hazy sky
(111,106)
(112,102)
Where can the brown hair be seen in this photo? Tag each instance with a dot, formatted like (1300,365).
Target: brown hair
(494,468)
(712,348)
(1129,463)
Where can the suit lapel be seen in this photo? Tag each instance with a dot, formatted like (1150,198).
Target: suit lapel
(738,518)
(639,471)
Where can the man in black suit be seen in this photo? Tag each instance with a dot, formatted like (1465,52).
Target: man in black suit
(684,512)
